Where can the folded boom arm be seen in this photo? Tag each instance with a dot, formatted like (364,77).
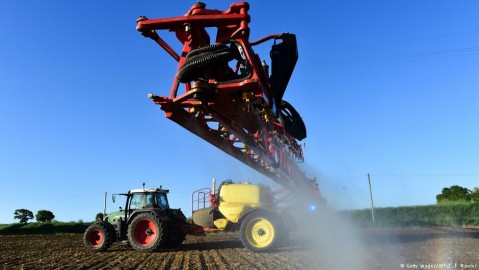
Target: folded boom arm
(229,98)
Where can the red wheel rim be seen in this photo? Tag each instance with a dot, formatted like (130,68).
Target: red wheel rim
(145,232)
(95,238)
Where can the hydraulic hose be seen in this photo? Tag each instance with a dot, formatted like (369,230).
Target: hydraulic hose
(205,49)
(209,56)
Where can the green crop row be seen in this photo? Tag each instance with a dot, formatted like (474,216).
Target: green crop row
(444,214)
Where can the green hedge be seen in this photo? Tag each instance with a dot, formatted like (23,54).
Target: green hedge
(44,228)
(446,214)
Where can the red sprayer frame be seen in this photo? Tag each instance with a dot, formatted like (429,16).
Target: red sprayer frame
(235,115)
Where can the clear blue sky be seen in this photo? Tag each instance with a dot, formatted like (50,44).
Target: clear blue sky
(385,87)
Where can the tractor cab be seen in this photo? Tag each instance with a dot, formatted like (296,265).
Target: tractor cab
(151,198)
(139,200)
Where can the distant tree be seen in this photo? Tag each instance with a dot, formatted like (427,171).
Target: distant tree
(99,216)
(23,215)
(44,216)
(475,194)
(454,194)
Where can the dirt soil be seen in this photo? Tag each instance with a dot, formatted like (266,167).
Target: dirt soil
(411,248)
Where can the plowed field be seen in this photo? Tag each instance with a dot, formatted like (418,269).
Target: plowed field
(418,248)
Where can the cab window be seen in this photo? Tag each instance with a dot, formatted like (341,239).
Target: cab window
(150,200)
(162,201)
(136,201)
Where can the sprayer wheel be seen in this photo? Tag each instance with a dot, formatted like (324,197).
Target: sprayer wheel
(260,231)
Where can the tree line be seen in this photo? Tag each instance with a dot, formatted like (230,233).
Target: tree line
(457,193)
(453,193)
(24,215)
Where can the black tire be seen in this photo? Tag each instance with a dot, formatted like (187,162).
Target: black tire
(284,238)
(98,237)
(147,232)
(260,231)
(176,238)
(293,123)
(176,232)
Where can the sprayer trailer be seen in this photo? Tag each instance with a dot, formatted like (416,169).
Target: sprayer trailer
(147,223)
(246,207)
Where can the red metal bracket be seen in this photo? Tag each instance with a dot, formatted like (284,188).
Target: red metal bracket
(235,115)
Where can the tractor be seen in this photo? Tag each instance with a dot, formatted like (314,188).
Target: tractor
(248,208)
(147,223)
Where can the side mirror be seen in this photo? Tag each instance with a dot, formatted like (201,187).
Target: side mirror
(113,197)
(120,208)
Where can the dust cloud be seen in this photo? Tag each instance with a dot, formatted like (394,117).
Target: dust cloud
(322,229)
(337,242)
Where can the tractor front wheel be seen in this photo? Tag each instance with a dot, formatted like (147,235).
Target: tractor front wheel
(146,232)
(260,231)
(97,237)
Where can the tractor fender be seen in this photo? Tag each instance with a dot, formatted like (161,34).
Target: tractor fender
(104,222)
(178,215)
(110,227)
(162,217)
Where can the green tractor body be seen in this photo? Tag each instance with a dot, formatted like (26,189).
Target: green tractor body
(147,223)
(113,217)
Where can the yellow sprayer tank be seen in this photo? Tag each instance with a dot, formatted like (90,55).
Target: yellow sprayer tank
(246,207)
(235,199)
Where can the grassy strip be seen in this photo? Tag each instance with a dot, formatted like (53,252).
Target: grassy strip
(44,228)
(446,214)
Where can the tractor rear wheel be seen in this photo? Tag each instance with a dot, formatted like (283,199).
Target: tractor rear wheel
(147,232)
(98,237)
(176,238)
(260,231)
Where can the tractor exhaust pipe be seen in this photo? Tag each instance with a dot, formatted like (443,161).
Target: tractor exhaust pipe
(104,207)
(213,187)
